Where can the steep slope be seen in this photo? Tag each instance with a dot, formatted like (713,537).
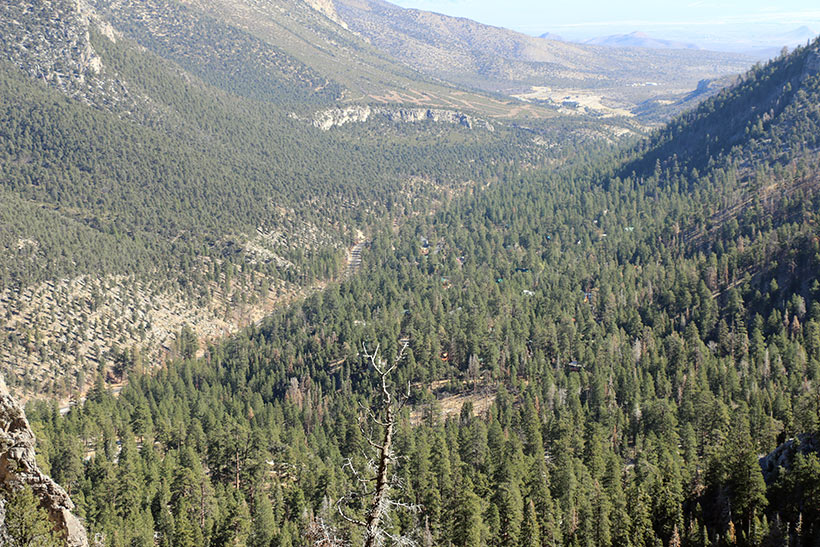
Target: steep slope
(771,113)
(51,42)
(221,54)
(295,35)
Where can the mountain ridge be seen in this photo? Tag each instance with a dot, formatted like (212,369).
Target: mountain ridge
(639,39)
(498,60)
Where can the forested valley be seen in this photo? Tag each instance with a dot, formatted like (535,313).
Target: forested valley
(622,349)
(177,200)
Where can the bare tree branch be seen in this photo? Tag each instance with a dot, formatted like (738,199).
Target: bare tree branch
(377,517)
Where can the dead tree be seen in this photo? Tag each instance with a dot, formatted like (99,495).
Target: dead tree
(320,534)
(377,481)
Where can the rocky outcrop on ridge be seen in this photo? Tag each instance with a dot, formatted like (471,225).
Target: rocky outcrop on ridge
(18,468)
(335,117)
(49,39)
(327,8)
(812,66)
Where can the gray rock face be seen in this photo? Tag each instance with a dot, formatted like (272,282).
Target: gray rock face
(783,455)
(327,8)
(812,64)
(18,468)
(50,40)
(335,117)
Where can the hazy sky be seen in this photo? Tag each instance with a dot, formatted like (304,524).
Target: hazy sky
(576,18)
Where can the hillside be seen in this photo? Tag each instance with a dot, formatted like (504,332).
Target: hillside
(596,353)
(303,251)
(378,52)
(147,188)
(602,80)
(194,165)
(295,34)
(769,114)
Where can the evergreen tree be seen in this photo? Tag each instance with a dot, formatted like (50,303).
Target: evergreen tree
(468,526)
(530,533)
(263,524)
(26,523)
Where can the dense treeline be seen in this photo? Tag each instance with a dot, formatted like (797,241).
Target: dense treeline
(638,345)
(186,182)
(179,165)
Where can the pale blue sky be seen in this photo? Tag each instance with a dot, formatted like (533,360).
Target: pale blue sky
(580,18)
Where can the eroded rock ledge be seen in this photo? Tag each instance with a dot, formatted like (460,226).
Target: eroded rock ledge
(335,117)
(18,468)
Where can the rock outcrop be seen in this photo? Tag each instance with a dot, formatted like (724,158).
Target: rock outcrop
(783,455)
(335,117)
(328,9)
(50,40)
(18,468)
(812,65)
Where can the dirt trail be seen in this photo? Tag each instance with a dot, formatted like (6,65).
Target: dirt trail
(354,255)
(353,261)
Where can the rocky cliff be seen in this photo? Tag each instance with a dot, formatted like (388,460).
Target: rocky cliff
(327,8)
(335,117)
(812,66)
(50,40)
(18,468)
(783,455)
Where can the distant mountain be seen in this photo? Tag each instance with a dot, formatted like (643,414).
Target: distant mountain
(470,54)
(552,36)
(639,39)
(798,36)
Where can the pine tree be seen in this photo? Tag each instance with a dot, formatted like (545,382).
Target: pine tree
(263,527)
(743,477)
(184,528)
(530,533)
(468,527)
(641,532)
(27,524)
(675,540)
(601,509)
(163,521)
(538,491)
(493,520)
(235,522)
(533,442)
(510,512)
